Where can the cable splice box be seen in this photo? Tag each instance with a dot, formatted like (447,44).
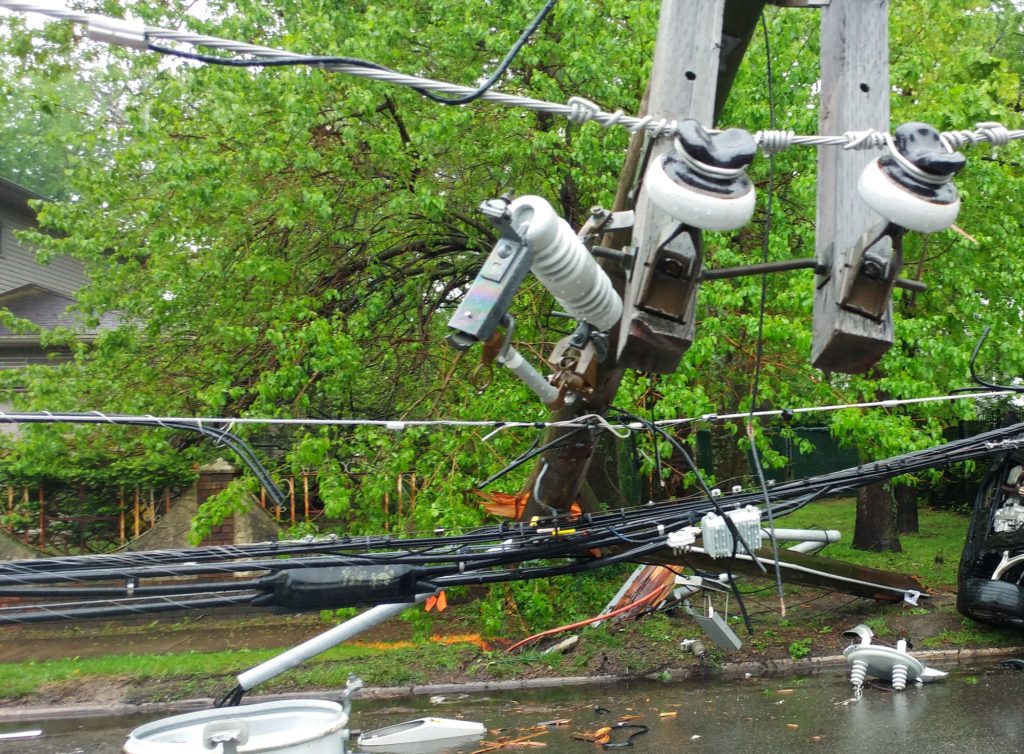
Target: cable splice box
(718,540)
(682,539)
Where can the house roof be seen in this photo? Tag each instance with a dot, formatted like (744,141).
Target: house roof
(17,197)
(46,308)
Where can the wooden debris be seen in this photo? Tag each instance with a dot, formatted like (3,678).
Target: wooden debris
(600,736)
(523,742)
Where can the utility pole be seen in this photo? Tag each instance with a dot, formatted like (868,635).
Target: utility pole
(698,50)
(854,97)
(658,307)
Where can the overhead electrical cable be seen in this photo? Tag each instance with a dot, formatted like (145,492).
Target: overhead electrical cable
(329,62)
(737,540)
(486,555)
(199,423)
(140,36)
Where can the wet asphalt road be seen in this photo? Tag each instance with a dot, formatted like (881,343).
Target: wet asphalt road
(974,710)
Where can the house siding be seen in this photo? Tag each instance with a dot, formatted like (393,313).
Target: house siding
(18,265)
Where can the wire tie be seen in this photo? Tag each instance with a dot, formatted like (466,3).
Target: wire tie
(921,175)
(995,132)
(863,139)
(395,426)
(613,119)
(954,140)
(641,123)
(494,432)
(665,127)
(774,140)
(582,110)
(611,428)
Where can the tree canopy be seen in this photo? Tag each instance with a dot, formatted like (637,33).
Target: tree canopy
(289,242)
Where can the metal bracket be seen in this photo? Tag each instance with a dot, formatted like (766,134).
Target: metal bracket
(871,271)
(602,220)
(497,211)
(675,274)
(575,365)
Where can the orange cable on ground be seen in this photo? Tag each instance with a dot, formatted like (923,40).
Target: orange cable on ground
(586,622)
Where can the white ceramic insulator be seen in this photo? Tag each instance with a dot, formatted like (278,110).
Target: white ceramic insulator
(901,206)
(696,208)
(899,677)
(562,263)
(858,673)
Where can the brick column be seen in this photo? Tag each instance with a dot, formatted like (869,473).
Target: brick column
(213,478)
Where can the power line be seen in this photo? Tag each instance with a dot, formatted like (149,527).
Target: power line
(227,423)
(759,355)
(138,36)
(482,556)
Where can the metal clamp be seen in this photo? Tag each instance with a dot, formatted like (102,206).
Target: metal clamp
(675,273)
(875,261)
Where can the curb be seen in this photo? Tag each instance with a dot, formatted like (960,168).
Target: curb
(735,671)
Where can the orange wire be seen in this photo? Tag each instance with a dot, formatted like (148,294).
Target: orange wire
(578,624)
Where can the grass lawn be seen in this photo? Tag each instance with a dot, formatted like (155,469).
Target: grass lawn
(196,673)
(932,554)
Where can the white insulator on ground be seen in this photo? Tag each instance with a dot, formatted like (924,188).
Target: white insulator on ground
(858,673)
(899,677)
(562,263)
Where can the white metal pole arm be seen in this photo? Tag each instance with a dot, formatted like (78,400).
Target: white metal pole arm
(318,644)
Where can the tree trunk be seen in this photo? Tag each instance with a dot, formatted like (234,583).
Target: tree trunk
(906,508)
(875,528)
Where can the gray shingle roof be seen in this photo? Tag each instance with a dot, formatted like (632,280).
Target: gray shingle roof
(46,308)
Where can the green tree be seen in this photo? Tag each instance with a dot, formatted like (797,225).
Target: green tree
(289,242)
